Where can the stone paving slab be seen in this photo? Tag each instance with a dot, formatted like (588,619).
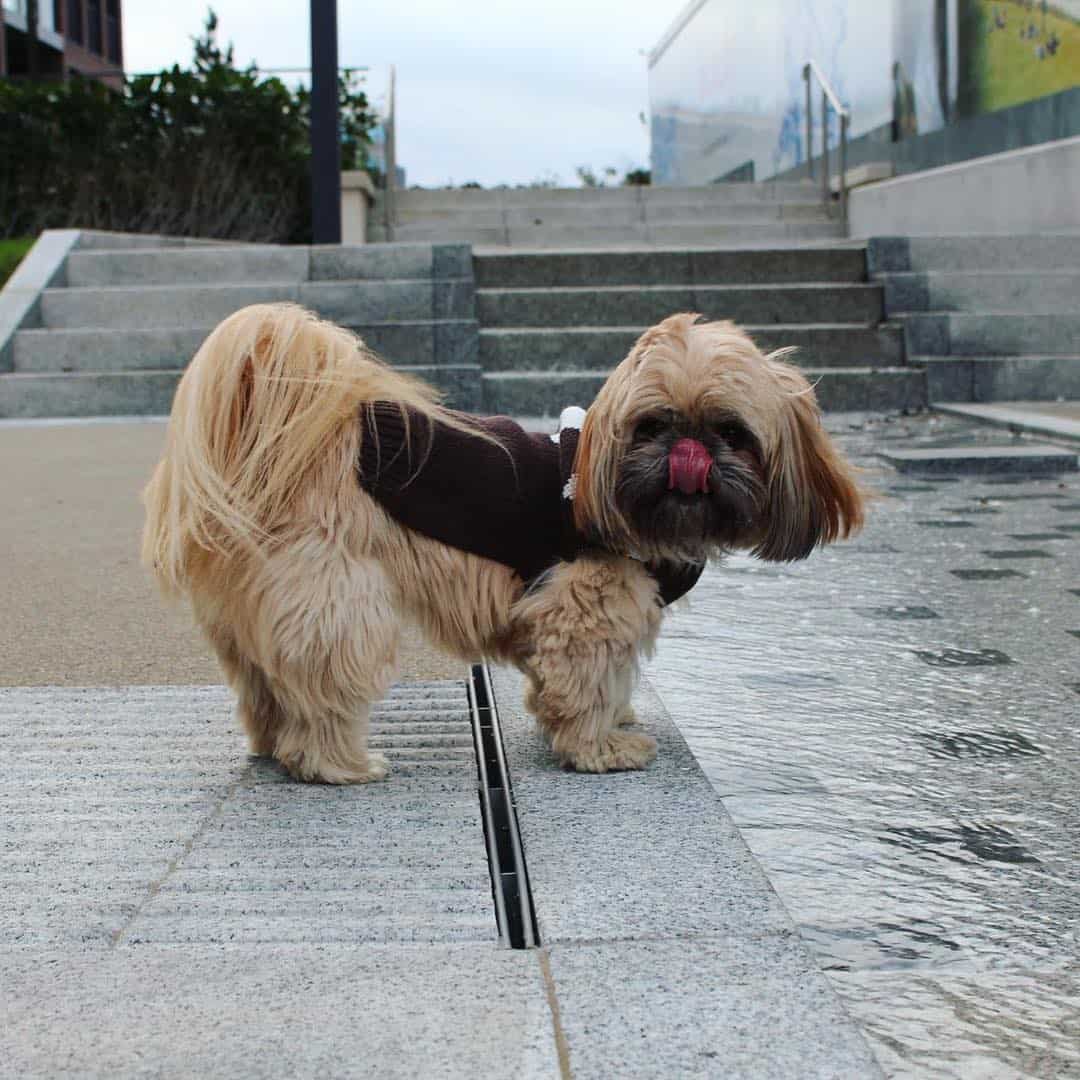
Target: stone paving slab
(1059,419)
(78,608)
(735,1008)
(136,815)
(670,952)
(986,460)
(317,1011)
(892,726)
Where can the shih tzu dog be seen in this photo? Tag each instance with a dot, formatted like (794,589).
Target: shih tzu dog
(311,499)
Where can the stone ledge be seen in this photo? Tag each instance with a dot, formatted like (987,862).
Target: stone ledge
(977,460)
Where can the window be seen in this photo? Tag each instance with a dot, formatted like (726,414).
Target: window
(73,28)
(112,29)
(93,26)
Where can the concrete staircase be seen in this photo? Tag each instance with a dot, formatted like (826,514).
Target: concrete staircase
(553,324)
(768,214)
(118,320)
(990,318)
(115,319)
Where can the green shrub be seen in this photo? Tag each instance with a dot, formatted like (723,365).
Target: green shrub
(212,151)
(11,253)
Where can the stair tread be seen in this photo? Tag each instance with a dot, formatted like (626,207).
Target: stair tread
(525,376)
(571,290)
(752,328)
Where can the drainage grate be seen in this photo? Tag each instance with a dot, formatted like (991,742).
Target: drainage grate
(509,877)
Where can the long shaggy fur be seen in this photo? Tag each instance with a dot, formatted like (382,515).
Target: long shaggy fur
(300,580)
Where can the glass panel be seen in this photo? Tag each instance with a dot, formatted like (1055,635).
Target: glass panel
(727,95)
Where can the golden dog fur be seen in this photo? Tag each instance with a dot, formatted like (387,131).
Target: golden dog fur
(301,581)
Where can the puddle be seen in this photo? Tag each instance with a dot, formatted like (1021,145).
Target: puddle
(899,611)
(787,679)
(1019,553)
(954,658)
(1039,536)
(919,825)
(986,575)
(956,842)
(1021,498)
(982,745)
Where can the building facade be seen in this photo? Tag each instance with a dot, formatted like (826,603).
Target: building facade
(58,39)
(728,101)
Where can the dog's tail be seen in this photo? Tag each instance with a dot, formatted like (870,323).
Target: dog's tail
(255,413)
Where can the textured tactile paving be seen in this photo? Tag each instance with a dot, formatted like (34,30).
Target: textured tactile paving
(136,815)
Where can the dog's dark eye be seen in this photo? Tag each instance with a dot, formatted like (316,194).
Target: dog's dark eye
(733,433)
(650,427)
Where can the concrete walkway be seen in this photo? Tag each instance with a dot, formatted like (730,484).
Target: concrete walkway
(171,907)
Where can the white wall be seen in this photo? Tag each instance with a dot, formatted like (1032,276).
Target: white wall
(1036,190)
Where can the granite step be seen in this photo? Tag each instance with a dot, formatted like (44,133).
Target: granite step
(546,198)
(602,347)
(188,266)
(1033,292)
(149,392)
(417,341)
(1001,378)
(991,333)
(686,266)
(180,306)
(647,304)
(546,393)
(965,253)
(640,233)
(607,214)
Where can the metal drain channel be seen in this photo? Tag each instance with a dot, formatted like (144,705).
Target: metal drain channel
(509,878)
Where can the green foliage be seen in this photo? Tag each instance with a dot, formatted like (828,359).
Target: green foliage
(11,253)
(212,151)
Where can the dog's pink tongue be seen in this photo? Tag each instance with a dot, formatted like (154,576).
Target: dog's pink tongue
(688,467)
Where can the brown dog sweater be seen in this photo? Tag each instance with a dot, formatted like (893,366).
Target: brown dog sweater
(510,501)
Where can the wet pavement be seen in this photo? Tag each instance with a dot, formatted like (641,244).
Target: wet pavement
(893,726)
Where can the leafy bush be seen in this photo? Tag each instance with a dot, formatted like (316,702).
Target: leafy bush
(213,151)
(11,253)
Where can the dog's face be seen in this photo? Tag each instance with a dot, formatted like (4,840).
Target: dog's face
(699,444)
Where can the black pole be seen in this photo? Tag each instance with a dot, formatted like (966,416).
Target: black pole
(32,38)
(325,143)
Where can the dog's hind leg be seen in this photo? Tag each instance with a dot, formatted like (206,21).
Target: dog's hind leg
(586,627)
(327,636)
(257,708)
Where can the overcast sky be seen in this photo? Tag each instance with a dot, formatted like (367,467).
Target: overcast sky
(493,92)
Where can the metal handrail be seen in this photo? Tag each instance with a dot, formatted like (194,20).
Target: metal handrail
(390,163)
(828,97)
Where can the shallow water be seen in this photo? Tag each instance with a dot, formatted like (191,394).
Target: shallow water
(894,729)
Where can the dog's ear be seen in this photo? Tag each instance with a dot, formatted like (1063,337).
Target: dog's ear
(590,490)
(812,496)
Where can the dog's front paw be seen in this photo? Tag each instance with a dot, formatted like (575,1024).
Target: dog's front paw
(616,751)
(365,770)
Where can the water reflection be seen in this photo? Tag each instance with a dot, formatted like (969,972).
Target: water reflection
(896,738)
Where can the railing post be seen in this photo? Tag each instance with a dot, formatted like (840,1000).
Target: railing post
(843,172)
(809,124)
(825,146)
(390,161)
